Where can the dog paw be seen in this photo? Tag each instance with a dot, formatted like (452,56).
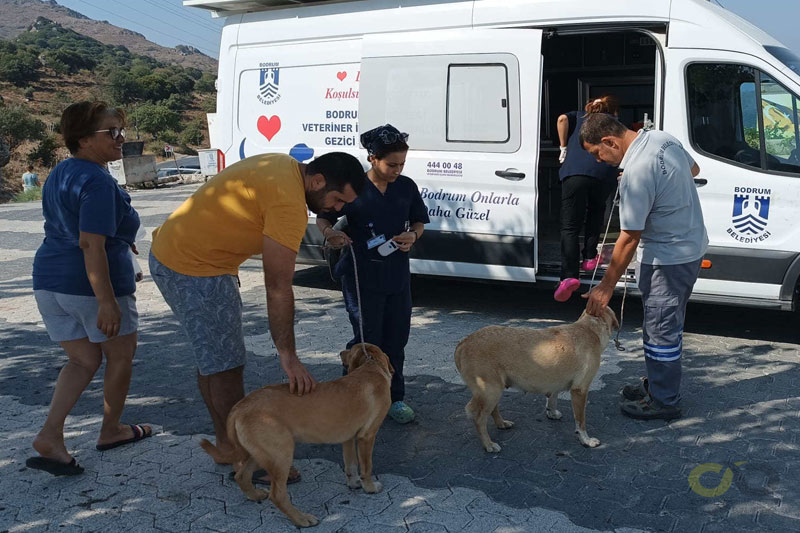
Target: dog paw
(257,495)
(372,488)
(591,442)
(553,414)
(492,447)
(505,424)
(353,482)
(306,520)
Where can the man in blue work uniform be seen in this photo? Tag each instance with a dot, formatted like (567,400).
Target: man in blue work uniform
(660,215)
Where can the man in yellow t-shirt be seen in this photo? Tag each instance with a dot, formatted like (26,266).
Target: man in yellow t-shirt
(255,206)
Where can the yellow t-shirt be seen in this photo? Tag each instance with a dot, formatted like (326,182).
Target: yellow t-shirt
(221,225)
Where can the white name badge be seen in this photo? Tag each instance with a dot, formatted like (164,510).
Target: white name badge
(375,242)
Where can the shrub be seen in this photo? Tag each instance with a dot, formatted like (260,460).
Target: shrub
(32,195)
(16,126)
(192,134)
(206,84)
(45,151)
(154,119)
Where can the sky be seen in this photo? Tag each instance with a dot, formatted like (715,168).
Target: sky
(168,23)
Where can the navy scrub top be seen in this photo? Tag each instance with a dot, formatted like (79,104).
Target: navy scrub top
(374,214)
(579,162)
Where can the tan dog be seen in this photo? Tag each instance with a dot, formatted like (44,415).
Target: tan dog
(266,423)
(545,361)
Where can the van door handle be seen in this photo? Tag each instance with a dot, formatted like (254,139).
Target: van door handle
(700,181)
(510,174)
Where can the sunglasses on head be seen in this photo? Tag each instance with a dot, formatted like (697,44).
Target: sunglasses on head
(115,133)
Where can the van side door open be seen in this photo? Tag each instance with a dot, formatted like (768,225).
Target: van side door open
(470,100)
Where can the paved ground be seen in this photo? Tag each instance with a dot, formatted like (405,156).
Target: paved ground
(742,425)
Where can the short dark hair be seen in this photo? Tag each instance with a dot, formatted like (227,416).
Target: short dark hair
(30,167)
(599,125)
(82,119)
(340,169)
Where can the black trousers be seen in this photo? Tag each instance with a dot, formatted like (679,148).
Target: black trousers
(583,207)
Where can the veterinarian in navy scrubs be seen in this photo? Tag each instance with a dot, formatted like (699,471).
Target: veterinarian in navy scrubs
(383,224)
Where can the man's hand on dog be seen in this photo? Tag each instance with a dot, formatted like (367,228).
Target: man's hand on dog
(598,298)
(300,379)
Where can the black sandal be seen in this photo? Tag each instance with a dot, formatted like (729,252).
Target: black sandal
(51,466)
(636,392)
(649,408)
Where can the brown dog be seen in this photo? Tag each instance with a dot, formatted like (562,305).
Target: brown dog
(545,361)
(266,423)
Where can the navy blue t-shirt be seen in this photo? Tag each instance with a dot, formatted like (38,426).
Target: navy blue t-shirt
(80,195)
(375,214)
(579,162)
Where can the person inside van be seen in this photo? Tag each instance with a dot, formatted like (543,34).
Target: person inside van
(256,206)
(660,216)
(585,187)
(386,220)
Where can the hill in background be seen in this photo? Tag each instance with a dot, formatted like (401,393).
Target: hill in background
(16,16)
(48,66)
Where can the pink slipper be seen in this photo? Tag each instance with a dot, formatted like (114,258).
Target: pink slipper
(589,265)
(565,289)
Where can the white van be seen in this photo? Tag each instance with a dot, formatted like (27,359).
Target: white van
(479,85)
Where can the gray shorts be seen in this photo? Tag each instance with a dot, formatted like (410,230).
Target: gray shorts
(69,317)
(209,309)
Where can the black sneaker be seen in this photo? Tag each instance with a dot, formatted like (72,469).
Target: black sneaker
(636,392)
(649,408)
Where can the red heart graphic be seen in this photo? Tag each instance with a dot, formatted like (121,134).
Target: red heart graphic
(268,127)
(341,75)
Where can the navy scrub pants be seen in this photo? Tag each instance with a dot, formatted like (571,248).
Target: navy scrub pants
(583,207)
(665,292)
(387,324)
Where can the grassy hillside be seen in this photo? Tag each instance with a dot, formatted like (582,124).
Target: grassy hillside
(18,15)
(48,67)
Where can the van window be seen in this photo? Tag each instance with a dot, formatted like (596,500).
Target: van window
(740,114)
(471,87)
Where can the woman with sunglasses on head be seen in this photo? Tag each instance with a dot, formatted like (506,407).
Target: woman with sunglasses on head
(384,222)
(83,281)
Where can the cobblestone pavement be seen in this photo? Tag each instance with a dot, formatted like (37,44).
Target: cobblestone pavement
(740,430)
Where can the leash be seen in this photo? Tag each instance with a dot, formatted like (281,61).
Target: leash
(358,293)
(617,343)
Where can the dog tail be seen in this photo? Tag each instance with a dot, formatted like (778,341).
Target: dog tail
(458,355)
(237,455)
(214,452)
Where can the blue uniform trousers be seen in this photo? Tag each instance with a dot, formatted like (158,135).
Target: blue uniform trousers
(665,292)
(387,324)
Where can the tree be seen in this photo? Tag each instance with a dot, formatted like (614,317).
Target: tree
(123,88)
(206,84)
(155,119)
(192,134)
(45,152)
(16,126)
(17,65)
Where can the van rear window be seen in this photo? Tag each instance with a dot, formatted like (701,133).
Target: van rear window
(785,56)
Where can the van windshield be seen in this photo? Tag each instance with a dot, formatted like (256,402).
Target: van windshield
(785,56)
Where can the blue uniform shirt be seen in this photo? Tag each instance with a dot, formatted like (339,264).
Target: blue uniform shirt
(376,214)
(80,195)
(579,162)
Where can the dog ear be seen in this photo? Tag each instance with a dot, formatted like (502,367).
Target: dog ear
(344,355)
(614,321)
